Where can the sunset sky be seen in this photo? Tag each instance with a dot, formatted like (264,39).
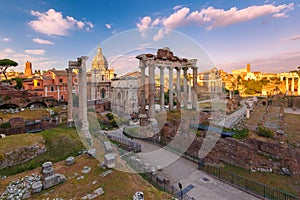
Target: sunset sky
(49,33)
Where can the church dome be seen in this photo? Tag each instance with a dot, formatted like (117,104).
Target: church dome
(99,61)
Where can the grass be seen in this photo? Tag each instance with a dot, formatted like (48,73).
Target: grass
(12,142)
(27,114)
(60,142)
(285,183)
(291,127)
(117,185)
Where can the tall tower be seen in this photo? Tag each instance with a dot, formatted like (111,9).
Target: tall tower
(28,69)
(248,67)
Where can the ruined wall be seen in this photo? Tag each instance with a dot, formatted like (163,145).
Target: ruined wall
(21,155)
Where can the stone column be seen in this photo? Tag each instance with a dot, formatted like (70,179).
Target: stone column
(185,95)
(293,86)
(195,88)
(58,93)
(178,92)
(248,113)
(151,68)
(46,92)
(298,86)
(170,88)
(83,94)
(93,85)
(142,66)
(162,87)
(80,96)
(287,85)
(70,98)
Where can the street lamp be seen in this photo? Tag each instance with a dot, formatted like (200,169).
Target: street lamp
(180,187)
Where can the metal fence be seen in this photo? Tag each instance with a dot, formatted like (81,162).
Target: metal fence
(126,143)
(229,177)
(249,185)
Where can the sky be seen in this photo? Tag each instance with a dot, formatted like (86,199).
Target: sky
(221,33)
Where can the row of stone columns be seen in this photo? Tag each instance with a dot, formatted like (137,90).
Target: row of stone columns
(292,86)
(151,67)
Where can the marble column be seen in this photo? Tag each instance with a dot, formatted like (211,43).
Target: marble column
(162,88)
(93,85)
(83,94)
(178,89)
(80,97)
(195,88)
(185,95)
(46,91)
(293,86)
(298,86)
(143,87)
(287,85)
(70,98)
(151,68)
(170,88)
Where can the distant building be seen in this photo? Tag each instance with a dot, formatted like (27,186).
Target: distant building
(28,69)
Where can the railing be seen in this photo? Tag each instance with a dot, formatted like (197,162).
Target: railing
(238,181)
(126,144)
(157,181)
(249,185)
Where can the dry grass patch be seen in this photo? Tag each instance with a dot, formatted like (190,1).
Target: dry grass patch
(117,185)
(12,142)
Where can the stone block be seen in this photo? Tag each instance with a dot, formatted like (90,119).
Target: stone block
(70,161)
(37,187)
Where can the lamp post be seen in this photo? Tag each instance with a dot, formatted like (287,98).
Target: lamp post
(180,187)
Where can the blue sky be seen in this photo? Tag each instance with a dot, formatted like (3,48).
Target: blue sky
(49,33)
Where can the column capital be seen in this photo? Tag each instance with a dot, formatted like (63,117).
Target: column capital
(142,64)
(69,70)
(170,68)
(184,68)
(178,68)
(161,67)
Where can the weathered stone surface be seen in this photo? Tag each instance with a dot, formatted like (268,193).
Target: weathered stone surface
(252,153)
(86,169)
(37,187)
(20,188)
(17,122)
(22,155)
(70,161)
(103,174)
(96,193)
(53,180)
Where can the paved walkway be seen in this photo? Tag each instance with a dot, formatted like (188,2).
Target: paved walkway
(198,184)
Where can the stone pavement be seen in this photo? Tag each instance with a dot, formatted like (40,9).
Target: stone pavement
(204,186)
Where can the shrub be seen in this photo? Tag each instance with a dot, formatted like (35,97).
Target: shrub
(110,116)
(5,125)
(264,132)
(1,157)
(240,134)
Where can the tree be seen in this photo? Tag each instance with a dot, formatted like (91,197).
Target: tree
(19,83)
(4,64)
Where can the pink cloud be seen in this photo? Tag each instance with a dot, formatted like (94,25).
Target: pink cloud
(54,23)
(212,18)
(144,24)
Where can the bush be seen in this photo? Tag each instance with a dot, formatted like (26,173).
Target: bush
(1,157)
(264,132)
(240,134)
(5,125)
(110,116)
